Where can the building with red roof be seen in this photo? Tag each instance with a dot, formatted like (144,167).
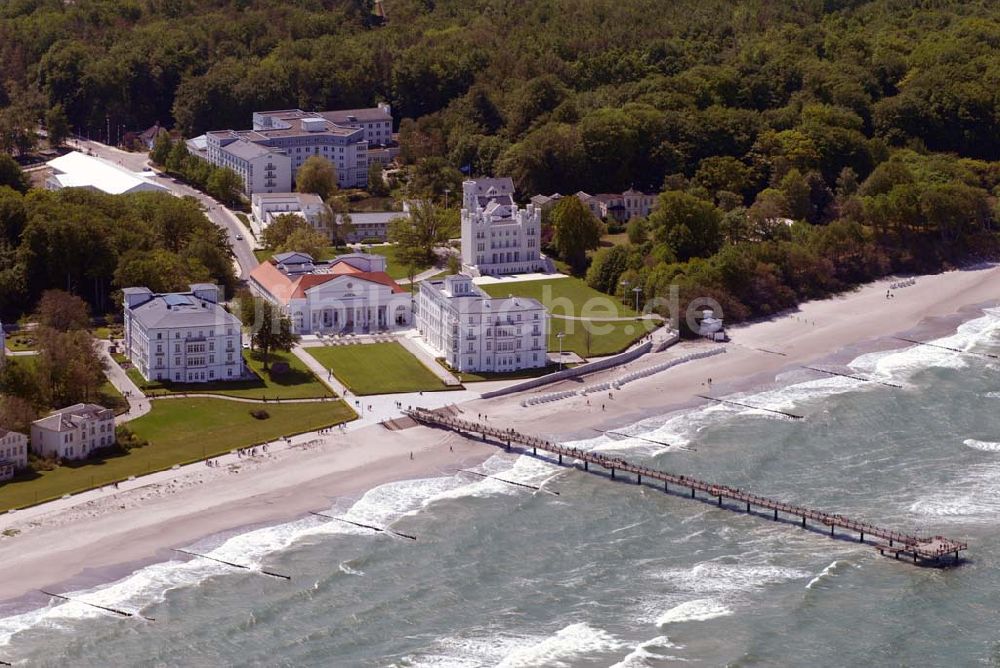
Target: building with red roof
(350,293)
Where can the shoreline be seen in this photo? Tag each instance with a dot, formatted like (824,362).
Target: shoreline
(114,537)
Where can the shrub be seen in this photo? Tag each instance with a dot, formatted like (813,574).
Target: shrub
(260,414)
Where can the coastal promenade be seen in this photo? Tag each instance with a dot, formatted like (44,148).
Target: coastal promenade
(929,551)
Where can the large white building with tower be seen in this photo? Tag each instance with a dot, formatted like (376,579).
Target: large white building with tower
(498,237)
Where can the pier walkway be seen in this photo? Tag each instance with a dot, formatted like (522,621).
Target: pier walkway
(932,550)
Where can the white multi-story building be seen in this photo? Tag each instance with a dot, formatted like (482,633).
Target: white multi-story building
(73,432)
(474,332)
(263,168)
(265,207)
(268,156)
(351,293)
(184,337)
(498,237)
(13,453)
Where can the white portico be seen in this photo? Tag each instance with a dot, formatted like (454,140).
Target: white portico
(351,293)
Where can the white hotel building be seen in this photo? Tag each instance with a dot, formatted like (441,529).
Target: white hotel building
(498,237)
(73,432)
(478,333)
(183,337)
(13,453)
(269,155)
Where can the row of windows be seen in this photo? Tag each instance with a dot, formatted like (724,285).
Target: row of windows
(201,333)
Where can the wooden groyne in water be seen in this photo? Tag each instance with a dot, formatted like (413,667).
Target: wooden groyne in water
(922,550)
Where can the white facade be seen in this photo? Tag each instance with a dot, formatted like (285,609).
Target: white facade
(73,432)
(498,237)
(262,168)
(269,155)
(13,453)
(351,293)
(265,207)
(183,337)
(474,332)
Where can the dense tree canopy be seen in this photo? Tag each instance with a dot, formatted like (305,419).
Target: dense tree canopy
(801,146)
(92,244)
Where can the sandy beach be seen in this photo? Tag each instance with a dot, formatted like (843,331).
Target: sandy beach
(92,542)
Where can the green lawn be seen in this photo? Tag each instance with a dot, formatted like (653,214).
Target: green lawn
(297,383)
(111,398)
(377,368)
(394,267)
(573,297)
(179,431)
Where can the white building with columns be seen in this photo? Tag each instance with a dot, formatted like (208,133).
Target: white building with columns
(474,332)
(349,294)
(498,237)
(182,337)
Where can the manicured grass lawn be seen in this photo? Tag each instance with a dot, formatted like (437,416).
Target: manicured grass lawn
(179,431)
(377,368)
(566,296)
(394,267)
(603,338)
(296,383)
(572,297)
(609,240)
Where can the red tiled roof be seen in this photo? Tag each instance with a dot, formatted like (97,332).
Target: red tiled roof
(284,288)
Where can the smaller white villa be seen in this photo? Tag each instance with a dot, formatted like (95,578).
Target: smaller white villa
(182,336)
(350,293)
(73,432)
(474,332)
(265,207)
(13,453)
(498,237)
(79,170)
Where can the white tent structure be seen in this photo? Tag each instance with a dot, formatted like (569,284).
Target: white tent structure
(78,170)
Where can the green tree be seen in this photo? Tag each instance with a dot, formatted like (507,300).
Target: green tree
(57,126)
(377,187)
(270,330)
(575,231)
(607,267)
(723,173)
(416,237)
(281,228)
(225,185)
(317,175)
(11,174)
(162,149)
(178,157)
(691,227)
(636,231)
(62,311)
(305,239)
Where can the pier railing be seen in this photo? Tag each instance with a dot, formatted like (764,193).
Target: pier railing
(933,549)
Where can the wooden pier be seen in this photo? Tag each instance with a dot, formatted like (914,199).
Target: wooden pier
(921,550)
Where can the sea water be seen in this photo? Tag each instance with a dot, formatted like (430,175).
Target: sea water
(611,574)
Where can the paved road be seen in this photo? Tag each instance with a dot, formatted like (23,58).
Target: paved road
(239,236)
(138,404)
